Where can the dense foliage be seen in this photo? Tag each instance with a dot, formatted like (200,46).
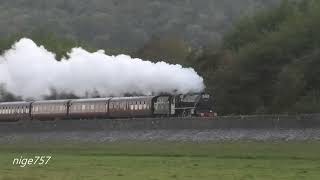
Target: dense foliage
(268,63)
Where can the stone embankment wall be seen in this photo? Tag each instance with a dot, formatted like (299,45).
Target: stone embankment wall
(219,123)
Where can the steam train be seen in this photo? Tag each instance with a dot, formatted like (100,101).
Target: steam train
(108,108)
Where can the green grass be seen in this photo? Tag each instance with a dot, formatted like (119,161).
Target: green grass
(158,161)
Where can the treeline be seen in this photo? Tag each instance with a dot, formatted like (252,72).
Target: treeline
(267,63)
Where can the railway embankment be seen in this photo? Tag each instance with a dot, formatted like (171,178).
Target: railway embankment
(226,128)
(274,122)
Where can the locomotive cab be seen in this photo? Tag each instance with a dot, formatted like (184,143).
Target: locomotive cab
(194,105)
(204,107)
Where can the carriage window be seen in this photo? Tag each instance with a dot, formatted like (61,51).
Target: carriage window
(92,107)
(83,107)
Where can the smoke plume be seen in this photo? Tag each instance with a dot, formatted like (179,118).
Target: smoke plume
(29,70)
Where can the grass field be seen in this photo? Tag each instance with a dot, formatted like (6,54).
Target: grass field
(158,161)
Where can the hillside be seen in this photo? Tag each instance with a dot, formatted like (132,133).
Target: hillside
(126,24)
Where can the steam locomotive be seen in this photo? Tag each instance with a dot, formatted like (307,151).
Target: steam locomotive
(110,107)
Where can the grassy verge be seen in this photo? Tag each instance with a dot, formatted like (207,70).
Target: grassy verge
(157,161)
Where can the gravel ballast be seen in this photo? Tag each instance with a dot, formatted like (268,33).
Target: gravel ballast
(162,135)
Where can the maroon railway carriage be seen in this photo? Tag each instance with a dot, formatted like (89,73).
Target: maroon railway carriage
(49,110)
(14,111)
(131,107)
(89,108)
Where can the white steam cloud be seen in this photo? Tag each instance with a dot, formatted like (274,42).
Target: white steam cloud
(29,70)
